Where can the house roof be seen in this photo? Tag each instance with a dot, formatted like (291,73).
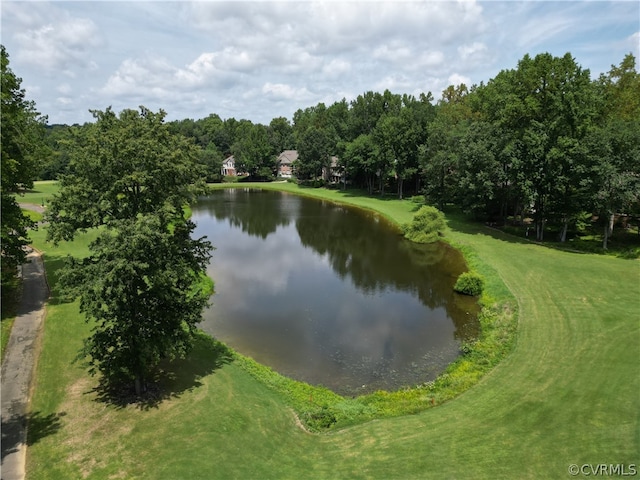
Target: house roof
(288,156)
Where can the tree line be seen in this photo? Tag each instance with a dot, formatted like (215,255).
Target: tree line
(542,140)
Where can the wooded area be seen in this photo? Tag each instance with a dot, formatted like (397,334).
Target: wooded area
(541,141)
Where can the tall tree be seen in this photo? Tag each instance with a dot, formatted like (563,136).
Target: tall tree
(481,179)
(615,145)
(314,153)
(140,283)
(22,139)
(439,155)
(280,134)
(121,166)
(360,159)
(254,152)
(399,134)
(211,159)
(367,109)
(140,287)
(546,106)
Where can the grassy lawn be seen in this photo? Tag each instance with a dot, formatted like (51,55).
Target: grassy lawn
(40,194)
(569,393)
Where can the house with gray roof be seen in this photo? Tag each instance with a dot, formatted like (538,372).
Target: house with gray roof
(285,163)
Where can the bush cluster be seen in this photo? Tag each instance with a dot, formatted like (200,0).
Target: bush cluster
(469,283)
(427,225)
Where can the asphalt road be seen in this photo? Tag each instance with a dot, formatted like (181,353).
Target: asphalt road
(18,368)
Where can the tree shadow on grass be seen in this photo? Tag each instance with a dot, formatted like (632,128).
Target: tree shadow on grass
(459,222)
(361,193)
(53,265)
(172,378)
(38,427)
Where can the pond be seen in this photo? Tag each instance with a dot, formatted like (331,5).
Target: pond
(330,295)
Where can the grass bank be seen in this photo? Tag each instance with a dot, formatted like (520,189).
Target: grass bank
(567,394)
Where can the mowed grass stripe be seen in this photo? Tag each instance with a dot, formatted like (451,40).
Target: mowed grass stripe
(568,393)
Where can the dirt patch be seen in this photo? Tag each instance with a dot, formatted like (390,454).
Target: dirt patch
(299,423)
(85,423)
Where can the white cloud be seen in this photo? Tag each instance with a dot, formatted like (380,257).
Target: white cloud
(336,68)
(431,59)
(59,46)
(469,51)
(393,83)
(259,60)
(392,53)
(137,77)
(64,101)
(280,91)
(457,79)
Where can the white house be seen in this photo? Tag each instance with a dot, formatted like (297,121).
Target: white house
(229,166)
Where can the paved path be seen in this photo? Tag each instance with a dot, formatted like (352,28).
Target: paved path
(32,206)
(19,366)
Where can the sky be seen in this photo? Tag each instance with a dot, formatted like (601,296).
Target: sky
(266,59)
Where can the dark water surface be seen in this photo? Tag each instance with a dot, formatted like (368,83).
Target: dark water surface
(329,294)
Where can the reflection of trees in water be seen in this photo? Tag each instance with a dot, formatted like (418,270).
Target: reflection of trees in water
(373,255)
(255,212)
(371,252)
(359,246)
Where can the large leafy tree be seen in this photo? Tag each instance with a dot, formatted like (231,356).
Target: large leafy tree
(481,178)
(253,151)
(614,148)
(360,160)
(140,283)
(399,135)
(141,287)
(280,134)
(22,139)
(546,105)
(439,155)
(121,166)
(314,149)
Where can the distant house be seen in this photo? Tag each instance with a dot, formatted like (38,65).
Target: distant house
(285,163)
(334,173)
(229,166)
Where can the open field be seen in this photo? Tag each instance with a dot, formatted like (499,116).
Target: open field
(569,393)
(40,194)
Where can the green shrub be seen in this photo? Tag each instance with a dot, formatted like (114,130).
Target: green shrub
(427,225)
(469,283)
(319,419)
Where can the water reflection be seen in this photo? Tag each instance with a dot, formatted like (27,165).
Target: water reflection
(262,219)
(329,294)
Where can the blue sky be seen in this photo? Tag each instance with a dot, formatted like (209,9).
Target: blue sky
(261,60)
